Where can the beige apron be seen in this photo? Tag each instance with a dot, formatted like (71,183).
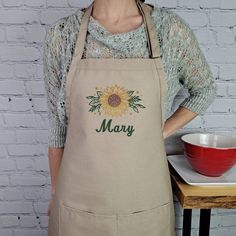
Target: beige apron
(114,178)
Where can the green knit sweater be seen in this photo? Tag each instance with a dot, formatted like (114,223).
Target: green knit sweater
(184,63)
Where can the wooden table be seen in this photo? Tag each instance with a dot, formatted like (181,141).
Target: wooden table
(202,197)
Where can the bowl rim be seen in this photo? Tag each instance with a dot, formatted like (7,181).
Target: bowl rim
(210,134)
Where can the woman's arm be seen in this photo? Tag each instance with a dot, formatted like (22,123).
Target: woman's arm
(177,120)
(193,73)
(52,81)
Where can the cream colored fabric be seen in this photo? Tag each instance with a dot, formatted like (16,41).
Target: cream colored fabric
(114,178)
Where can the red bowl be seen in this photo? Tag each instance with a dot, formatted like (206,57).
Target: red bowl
(209,154)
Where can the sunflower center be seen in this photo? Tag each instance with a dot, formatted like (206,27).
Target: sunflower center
(114,100)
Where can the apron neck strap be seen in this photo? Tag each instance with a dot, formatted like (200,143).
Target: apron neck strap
(152,37)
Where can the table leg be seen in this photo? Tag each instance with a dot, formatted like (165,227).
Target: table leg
(204,223)
(187,220)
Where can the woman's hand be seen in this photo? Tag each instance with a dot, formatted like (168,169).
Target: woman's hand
(164,134)
(177,120)
(50,205)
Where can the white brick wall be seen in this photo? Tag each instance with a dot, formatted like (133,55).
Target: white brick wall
(24,171)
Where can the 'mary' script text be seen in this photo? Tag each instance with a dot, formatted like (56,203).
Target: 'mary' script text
(107,126)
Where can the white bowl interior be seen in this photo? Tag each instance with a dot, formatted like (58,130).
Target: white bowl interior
(210,140)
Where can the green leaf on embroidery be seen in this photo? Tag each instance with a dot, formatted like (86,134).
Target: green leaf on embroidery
(92,109)
(93,102)
(135,109)
(136,98)
(99,93)
(130,92)
(140,105)
(90,97)
(98,108)
(95,107)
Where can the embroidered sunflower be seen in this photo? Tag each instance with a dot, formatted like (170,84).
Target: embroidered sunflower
(114,100)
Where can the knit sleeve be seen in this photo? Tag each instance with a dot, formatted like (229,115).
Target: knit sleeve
(52,80)
(193,70)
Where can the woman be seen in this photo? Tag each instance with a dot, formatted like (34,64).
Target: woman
(112,71)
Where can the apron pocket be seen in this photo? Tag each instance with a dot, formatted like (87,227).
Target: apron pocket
(74,222)
(151,222)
